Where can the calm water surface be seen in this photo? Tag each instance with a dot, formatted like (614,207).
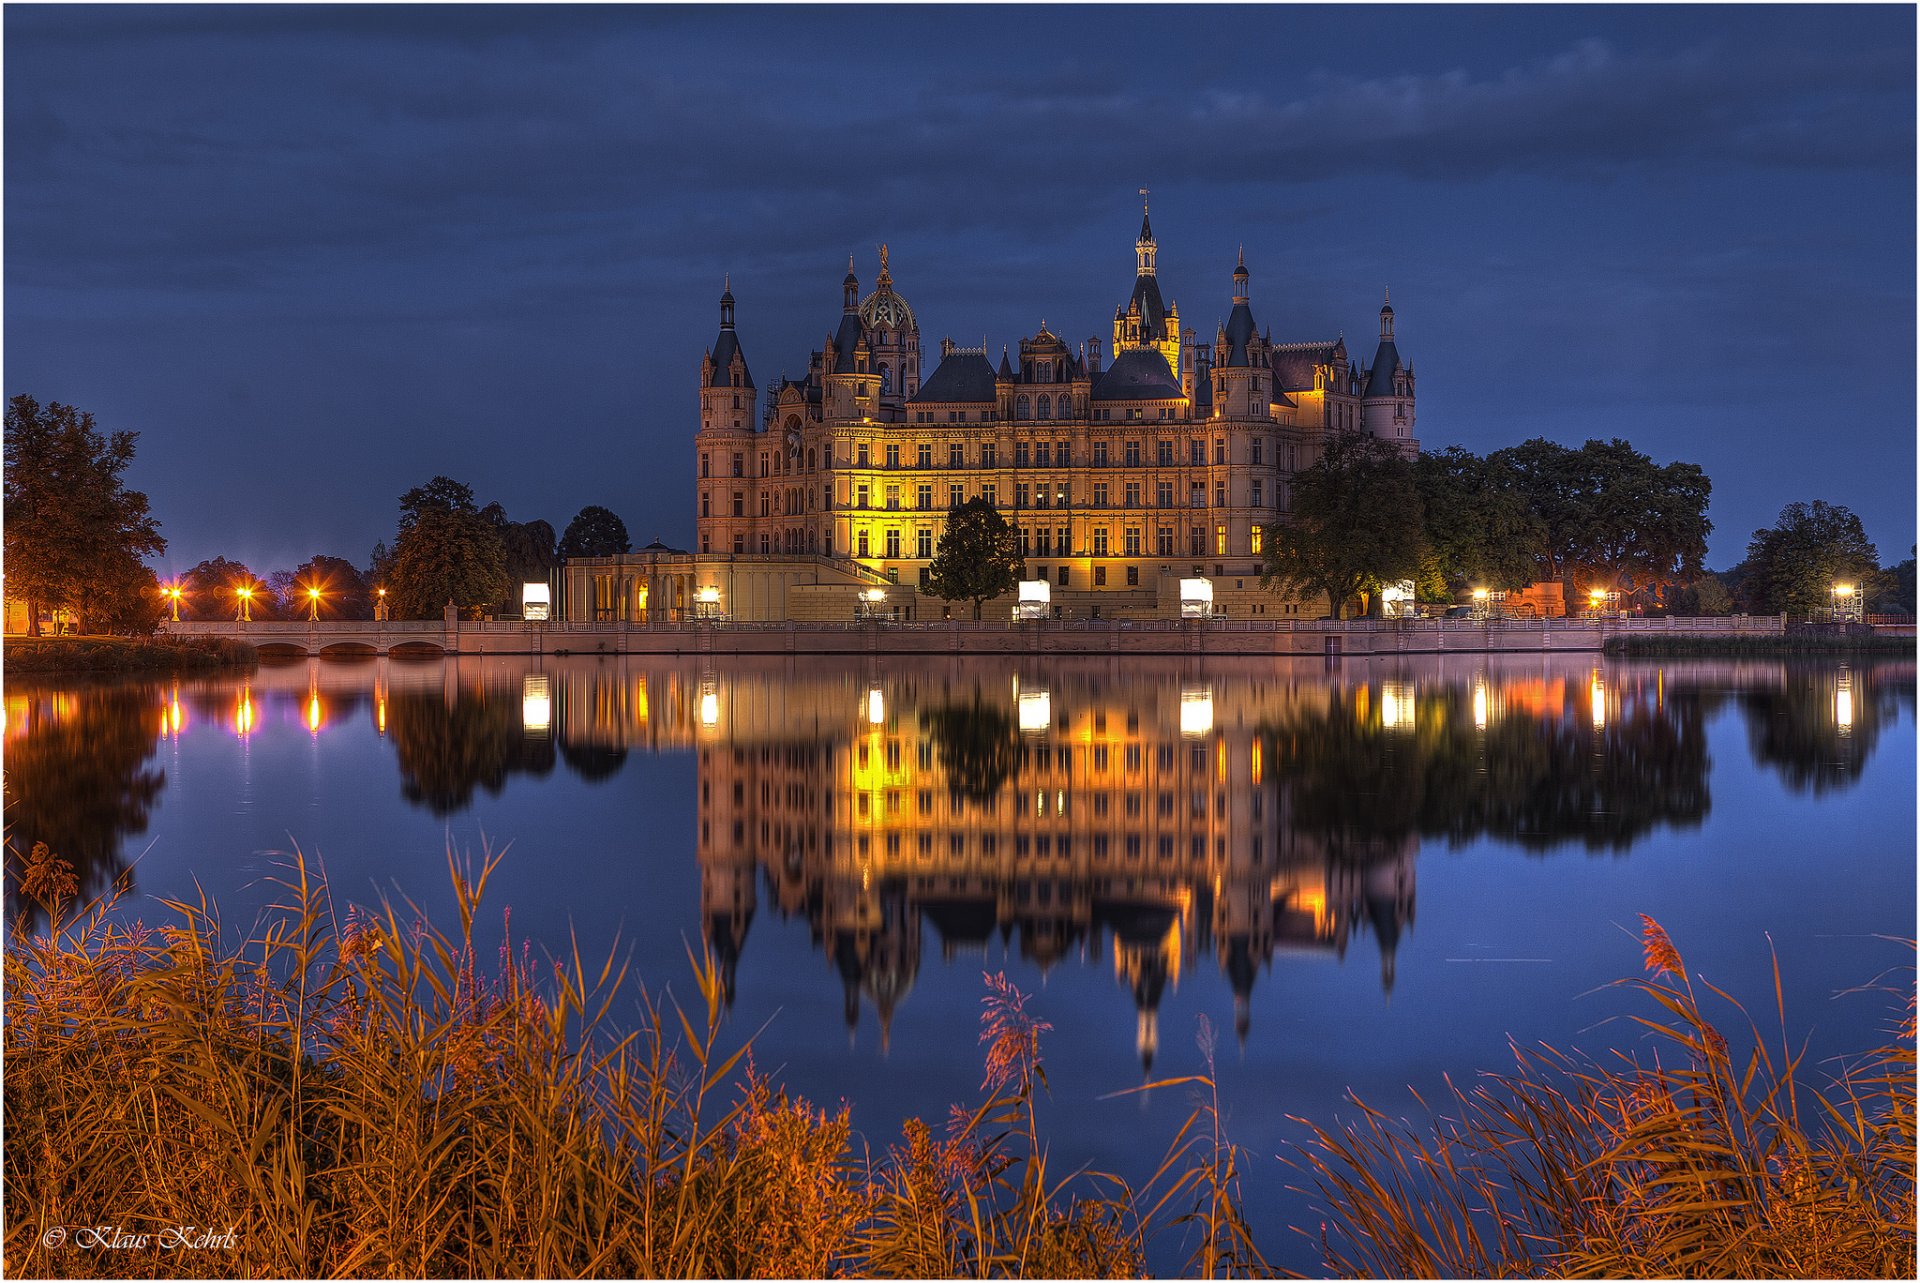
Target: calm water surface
(1362,876)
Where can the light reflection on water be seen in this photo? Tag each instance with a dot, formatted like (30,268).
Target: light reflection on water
(1143,842)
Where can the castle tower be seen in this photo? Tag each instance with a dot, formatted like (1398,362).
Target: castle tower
(852,381)
(893,338)
(1387,402)
(1240,390)
(1145,320)
(725,456)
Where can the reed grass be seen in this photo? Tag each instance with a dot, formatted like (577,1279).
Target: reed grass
(1698,1162)
(36,655)
(357,1095)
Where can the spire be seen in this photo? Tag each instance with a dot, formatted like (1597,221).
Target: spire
(1386,318)
(886,278)
(726,302)
(850,290)
(1144,247)
(1006,367)
(1240,279)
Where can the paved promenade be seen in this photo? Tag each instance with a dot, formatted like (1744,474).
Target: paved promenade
(1089,637)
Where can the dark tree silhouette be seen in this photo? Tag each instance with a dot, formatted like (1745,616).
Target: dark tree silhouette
(595,532)
(978,744)
(74,534)
(978,557)
(80,781)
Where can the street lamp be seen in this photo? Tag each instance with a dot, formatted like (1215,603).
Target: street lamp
(1480,603)
(173,594)
(245,594)
(380,604)
(313,603)
(1846,603)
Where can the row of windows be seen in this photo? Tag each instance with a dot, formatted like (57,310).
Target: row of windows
(1032,495)
(1045,846)
(1038,454)
(1040,541)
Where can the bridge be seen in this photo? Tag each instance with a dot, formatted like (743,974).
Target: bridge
(344,639)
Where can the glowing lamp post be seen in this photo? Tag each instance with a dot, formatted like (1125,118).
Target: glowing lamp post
(313,604)
(1847,604)
(1480,596)
(173,594)
(245,594)
(380,604)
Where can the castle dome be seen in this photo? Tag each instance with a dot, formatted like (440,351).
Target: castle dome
(883,309)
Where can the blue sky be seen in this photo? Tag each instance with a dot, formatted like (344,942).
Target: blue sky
(317,255)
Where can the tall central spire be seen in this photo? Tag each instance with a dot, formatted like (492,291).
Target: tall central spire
(1144,247)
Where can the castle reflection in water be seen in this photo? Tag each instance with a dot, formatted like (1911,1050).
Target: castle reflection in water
(1070,814)
(1164,814)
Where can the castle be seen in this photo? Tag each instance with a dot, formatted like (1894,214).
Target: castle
(1166,461)
(1120,475)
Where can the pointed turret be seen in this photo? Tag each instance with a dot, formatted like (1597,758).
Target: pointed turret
(727,363)
(1387,408)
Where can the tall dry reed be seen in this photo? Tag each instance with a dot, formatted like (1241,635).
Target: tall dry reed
(1695,1161)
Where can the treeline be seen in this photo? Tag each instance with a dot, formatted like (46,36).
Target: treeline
(446,547)
(1602,516)
(1599,516)
(76,539)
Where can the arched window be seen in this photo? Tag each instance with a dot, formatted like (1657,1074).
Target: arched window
(1044,410)
(886,379)
(809,459)
(1022,409)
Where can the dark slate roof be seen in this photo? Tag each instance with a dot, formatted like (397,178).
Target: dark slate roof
(1293,363)
(1138,374)
(725,348)
(1006,367)
(1380,378)
(1240,330)
(1146,226)
(1153,311)
(963,376)
(847,338)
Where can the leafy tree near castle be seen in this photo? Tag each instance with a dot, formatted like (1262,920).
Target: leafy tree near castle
(75,535)
(446,551)
(1356,524)
(1610,516)
(978,557)
(1793,564)
(595,532)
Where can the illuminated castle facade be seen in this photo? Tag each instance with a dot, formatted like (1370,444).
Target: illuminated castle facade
(1166,460)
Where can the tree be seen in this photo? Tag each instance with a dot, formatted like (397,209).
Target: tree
(594,532)
(1478,525)
(529,550)
(210,591)
(1897,585)
(442,494)
(1612,515)
(123,596)
(1356,523)
(72,527)
(978,556)
(1793,564)
(446,556)
(1707,595)
(978,744)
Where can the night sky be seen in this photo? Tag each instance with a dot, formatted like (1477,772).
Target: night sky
(315,256)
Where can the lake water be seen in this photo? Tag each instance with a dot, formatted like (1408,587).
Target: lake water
(1364,876)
